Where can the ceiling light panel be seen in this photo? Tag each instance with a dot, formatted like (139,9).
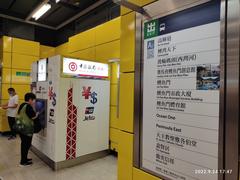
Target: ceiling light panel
(41,11)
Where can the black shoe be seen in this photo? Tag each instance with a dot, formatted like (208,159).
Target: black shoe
(26,164)
(29,160)
(12,137)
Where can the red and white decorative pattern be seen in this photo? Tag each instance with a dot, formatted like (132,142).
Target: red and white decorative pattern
(71,127)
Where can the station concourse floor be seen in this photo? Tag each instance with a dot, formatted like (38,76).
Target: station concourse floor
(101,169)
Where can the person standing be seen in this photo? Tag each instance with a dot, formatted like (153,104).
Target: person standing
(11,108)
(28,115)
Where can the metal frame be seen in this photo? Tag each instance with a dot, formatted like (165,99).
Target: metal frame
(229,91)
(137,91)
(221,135)
(232,37)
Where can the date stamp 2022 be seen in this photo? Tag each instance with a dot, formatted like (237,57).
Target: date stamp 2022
(213,171)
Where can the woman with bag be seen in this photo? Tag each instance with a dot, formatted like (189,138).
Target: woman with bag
(27,116)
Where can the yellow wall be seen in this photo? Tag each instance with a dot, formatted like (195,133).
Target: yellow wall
(47,51)
(114,107)
(97,44)
(17,56)
(127,55)
(125,156)
(126,171)
(82,41)
(62,49)
(100,44)
(141,175)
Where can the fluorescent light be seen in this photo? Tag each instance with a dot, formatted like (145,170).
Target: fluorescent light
(57,1)
(41,11)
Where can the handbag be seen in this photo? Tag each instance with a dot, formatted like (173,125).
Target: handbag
(23,124)
(19,126)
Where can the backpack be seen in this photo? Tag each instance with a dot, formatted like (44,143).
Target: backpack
(37,126)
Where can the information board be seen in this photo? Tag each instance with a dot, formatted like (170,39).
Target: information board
(42,70)
(181,81)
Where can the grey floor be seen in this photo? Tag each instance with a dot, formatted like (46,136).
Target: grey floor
(101,169)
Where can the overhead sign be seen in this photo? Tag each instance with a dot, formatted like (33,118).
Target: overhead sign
(181,81)
(42,70)
(84,68)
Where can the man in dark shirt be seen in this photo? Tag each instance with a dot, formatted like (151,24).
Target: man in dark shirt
(29,115)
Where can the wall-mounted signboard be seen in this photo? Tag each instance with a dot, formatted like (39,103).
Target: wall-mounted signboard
(181,81)
(84,68)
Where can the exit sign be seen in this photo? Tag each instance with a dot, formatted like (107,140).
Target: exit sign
(23,74)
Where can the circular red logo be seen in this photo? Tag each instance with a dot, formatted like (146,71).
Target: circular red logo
(72,66)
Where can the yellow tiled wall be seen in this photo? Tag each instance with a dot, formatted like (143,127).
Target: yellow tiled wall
(7,44)
(125,156)
(126,97)
(126,171)
(86,54)
(108,31)
(62,49)
(114,106)
(127,42)
(3,121)
(17,55)
(82,41)
(97,44)
(126,100)
(100,44)
(47,51)
(107,51)
(6,75)
(114,120)
(7,62)
(29,48)
(141,175)
(23,61)
(114,135)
